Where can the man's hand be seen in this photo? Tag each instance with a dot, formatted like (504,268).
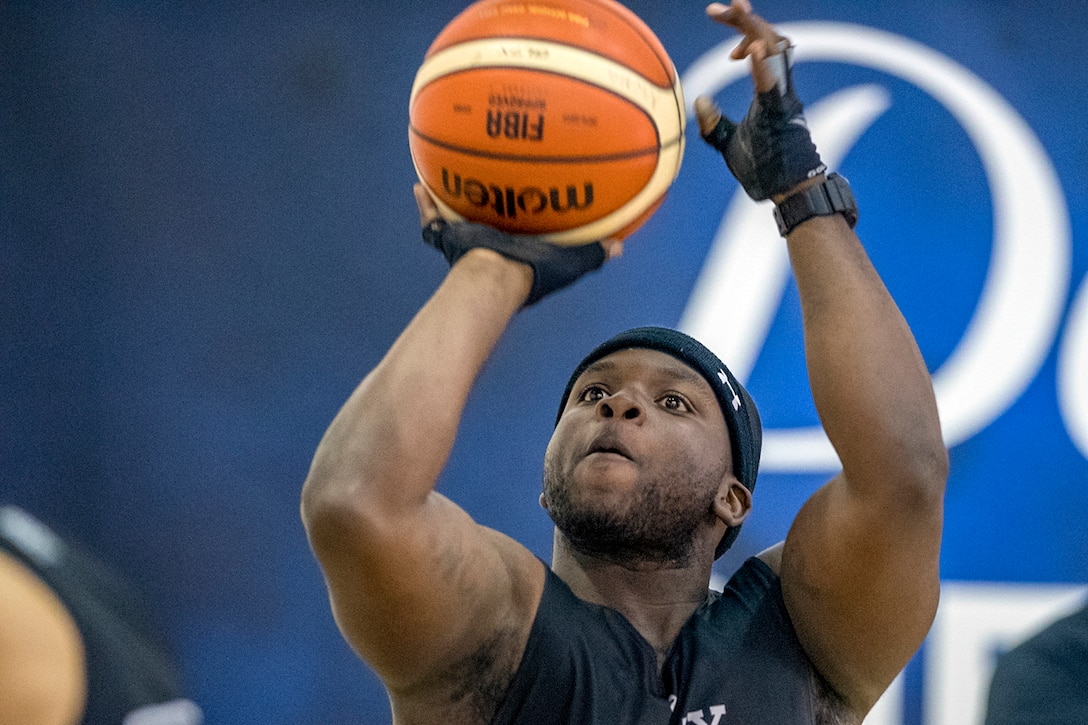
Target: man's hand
(554,267)
(770,152)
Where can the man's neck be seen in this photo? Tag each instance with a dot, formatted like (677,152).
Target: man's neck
(657,599)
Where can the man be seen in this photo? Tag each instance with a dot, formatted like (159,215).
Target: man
(647,477)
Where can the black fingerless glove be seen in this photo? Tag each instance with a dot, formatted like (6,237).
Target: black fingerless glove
(770,151)
(554,267)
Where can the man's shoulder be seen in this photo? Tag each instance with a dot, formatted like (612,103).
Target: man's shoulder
(469,688)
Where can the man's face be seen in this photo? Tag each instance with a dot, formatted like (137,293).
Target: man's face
(637,458)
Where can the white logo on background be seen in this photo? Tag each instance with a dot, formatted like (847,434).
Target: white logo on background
(1019,310)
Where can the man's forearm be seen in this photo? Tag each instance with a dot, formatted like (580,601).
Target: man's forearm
(869,381)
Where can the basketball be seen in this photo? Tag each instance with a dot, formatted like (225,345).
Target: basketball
(559,118)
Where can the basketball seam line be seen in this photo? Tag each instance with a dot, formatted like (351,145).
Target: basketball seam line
(667,67)
(674,91)
(541,159)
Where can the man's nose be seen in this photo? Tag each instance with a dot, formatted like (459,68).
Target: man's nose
(619,405)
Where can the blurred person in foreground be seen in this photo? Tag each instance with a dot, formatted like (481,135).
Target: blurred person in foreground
(1044,680)
(77,645)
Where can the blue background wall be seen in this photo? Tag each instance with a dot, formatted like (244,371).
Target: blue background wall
(207,237)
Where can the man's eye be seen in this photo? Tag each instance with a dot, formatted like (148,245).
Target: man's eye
(675,402)
(592,394)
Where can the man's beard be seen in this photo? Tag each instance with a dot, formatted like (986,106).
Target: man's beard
(656,527)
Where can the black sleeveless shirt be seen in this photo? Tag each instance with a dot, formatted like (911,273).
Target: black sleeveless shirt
(736,661)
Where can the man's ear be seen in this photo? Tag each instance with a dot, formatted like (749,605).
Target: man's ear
(733,502)
(543,501)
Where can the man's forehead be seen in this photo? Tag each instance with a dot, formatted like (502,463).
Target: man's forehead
(647,361)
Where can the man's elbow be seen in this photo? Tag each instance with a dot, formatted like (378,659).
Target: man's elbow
(326,510)
(926,472)
(360,504)
(337,503)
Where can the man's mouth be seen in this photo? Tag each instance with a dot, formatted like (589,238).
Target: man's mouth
(607,444)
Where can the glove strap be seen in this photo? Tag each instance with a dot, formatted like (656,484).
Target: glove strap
(780,64)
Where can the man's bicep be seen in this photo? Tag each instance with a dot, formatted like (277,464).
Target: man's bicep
(861,582)
(413,594)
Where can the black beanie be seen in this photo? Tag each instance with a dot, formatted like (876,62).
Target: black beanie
(738,408)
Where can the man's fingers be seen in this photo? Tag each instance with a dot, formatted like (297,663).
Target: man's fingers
(763,77)
(707,113)
(428,212)
(612,248)
(738,15)
(741,51)
(759,40)
(718,11)
(755,31)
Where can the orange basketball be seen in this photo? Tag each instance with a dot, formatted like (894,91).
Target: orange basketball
(559,118)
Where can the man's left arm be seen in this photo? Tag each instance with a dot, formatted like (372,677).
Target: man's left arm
(860,565)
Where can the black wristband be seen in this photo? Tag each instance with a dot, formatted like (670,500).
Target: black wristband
(832,196)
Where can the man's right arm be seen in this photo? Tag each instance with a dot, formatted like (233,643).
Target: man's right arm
(414,583)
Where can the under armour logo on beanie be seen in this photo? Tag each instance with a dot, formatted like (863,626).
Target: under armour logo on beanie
(725,381)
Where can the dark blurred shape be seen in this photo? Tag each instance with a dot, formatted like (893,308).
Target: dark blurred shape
(78,644)
(1044,680)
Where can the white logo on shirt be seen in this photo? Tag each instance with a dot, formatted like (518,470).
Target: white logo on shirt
(697,718)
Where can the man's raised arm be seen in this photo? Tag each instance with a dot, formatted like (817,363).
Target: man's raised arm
(860,565)
(402,563)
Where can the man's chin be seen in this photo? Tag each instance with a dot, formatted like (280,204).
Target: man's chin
(605,474)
